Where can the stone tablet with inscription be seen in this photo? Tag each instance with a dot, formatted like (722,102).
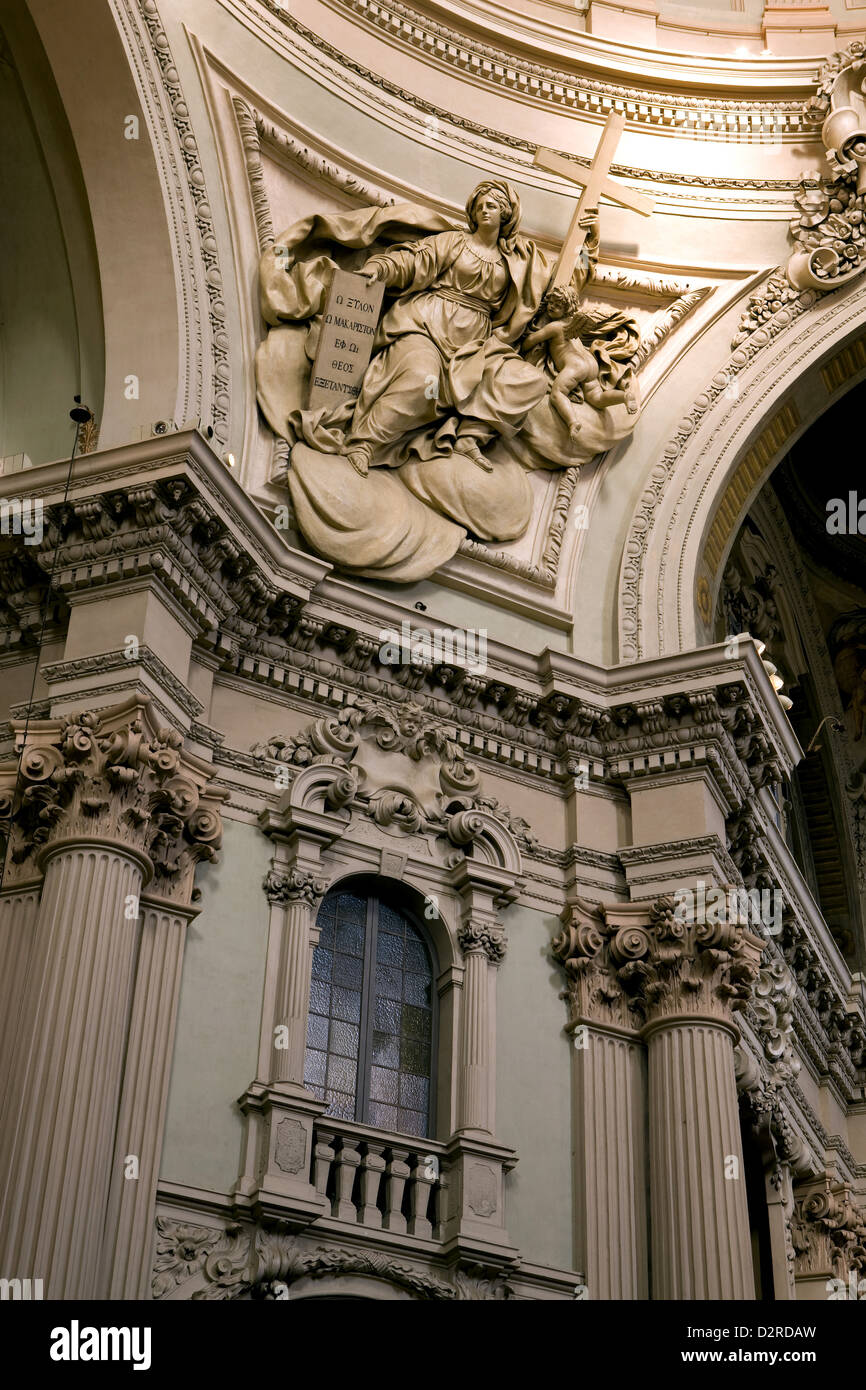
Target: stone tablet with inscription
(346,338)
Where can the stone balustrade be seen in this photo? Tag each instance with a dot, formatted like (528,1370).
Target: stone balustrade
(381,1181)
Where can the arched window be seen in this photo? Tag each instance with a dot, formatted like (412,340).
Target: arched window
(372,1028)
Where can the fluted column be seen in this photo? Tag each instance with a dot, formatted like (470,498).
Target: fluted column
(699,1218)
(298,893)
(483,947)
(689,977)
(276,1165)
(477,1165)
(101,804)
(66,1075)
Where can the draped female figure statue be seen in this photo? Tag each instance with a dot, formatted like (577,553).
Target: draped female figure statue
(463,299)
(450,415)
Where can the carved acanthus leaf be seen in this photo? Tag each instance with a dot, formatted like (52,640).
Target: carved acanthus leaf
(114,776)
(642,965)
(294,885)
(227,1264)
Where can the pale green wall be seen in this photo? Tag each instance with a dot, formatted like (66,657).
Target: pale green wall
(51,344)
(218,1021)
(533,1091)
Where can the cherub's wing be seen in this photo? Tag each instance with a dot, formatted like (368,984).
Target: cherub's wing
(581,322)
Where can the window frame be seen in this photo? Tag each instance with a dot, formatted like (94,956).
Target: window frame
(378,894)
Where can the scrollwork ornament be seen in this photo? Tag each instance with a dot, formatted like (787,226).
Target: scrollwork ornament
(240,1261)
(294,886)
(629,944)
(113,776)
(479,936)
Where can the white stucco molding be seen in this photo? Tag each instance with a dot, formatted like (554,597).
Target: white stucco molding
(768,392)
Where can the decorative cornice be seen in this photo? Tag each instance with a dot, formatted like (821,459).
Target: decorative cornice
(696,116)
(146,659)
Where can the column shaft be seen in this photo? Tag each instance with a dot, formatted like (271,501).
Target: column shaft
(610,1202)
(293,993)
(18,913)
(127,1261)
(478,1046)
(61,1109)
(699,1217)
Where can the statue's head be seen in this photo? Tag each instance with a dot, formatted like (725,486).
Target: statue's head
(491,200)
(561,302)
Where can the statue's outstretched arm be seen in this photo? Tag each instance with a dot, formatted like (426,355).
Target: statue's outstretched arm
(414,267)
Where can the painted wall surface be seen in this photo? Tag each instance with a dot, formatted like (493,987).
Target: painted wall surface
(39,367)
(219,1013)
(533,1091)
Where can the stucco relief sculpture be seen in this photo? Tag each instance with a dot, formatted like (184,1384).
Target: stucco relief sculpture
(477,377)
(829,230)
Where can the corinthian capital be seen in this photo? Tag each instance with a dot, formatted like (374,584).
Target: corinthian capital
(675,967)
(829,1231)
(641,963)
(479,934)
(294,886)
(113,777)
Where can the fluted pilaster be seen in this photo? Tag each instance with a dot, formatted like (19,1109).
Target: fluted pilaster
(127,1261)
(18,913)
(483,943)
(98,803)
(610,1174)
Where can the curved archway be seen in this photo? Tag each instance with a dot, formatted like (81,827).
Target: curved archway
(423,909)
(712,470)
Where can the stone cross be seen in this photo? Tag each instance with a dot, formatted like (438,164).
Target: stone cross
(596,184)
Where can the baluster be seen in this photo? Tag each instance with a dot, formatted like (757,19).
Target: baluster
(398,1172)
(371,1175)
(324,1156)
(423,1178)
(348,1159)
(440,1205)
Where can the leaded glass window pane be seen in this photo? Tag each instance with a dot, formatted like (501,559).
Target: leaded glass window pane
(333,1030)
(371,1025)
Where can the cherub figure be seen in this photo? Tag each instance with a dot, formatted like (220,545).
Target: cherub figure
(575,364)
